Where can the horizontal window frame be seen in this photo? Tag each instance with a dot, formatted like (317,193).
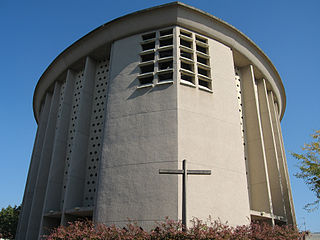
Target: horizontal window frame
(141,64)
(186,38)
(149,33)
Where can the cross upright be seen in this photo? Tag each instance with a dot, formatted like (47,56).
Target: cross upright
(185,172)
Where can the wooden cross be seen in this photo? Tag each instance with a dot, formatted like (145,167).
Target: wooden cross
(184,172)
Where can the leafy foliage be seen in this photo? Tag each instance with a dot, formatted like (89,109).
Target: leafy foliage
(8,221)
(173,230)
(309,166)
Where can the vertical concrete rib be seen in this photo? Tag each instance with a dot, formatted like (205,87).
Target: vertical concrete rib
(282,162)
(43,172)
(33,170)
(56,173)
(270,150)
(96,133)
(76,175)
(259,185)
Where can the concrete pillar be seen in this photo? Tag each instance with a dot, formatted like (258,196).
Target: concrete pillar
(259,189)
(285,181)
(270,150)
(56,173)
(33,170)
(43,172)
(76,175)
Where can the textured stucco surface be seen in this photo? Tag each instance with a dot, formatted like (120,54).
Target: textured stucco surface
(140,137)
(210,138)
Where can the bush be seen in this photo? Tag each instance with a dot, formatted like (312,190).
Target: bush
(8,221)
(173,230)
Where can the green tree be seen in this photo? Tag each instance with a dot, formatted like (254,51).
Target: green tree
(309,168)
(8,221)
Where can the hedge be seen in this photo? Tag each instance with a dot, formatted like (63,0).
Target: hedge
(169,229)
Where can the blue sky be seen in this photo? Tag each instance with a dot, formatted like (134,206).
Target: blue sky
(33,33)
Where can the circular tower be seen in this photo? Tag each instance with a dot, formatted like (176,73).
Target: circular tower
(142,93)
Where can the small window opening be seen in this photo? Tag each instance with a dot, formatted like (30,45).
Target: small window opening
(147,46)
(166,42)
(165,76)
(186,54)
(147,57)
(202,60)
(204,83)
(186,66)
(201,39)
(201,49)
(146,80)
(148,36)
(166,53)
(187,78)
(166,32)
(185,34)
(185,43)
(147,68)
(165,65)
(204,72)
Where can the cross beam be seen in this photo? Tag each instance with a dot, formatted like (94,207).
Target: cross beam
(185,173)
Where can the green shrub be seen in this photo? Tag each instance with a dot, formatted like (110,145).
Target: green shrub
(8,221)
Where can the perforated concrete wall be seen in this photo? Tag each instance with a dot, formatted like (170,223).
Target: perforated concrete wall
(66,117)
(73,118)
(96,133)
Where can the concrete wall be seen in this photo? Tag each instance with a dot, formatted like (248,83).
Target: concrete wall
(267,171)
(270,150)
(140,137)
(44,167)
(33,170)
(57,189)
(259,188)
(209,137)
(285,181)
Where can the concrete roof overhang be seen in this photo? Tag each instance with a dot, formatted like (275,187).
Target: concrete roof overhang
(175,13)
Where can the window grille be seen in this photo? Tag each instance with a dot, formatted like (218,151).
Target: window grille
(194,61)
(156,58)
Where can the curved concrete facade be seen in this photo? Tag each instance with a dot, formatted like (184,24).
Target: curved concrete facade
(142,93)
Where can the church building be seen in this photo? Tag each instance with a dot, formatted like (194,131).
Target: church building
(142,93)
